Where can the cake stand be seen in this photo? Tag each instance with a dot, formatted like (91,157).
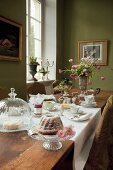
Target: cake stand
(50,142)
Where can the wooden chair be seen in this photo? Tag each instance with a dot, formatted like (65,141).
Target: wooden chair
(54,85)
(101,153)
(3,93)
(36,88)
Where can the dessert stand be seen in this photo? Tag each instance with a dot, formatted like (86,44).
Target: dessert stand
(50,142)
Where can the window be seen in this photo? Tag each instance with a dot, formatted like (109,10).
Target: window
(41,34)
(33,30)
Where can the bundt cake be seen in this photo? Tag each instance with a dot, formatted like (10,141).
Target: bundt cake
(50,124)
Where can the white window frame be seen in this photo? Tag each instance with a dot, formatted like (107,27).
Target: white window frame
(39,59)
(48,37)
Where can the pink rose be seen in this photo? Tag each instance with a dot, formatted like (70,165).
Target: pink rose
(74,66)
(61,134)
(69,132)
(66,132)
(72,76)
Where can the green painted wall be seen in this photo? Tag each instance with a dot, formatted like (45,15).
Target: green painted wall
(13,74)
(88,20)
(60,35)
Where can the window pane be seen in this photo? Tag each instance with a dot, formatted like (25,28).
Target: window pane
(35,29)
(26,6)
(34,47)
(35,9)
(31,46)
(37,49)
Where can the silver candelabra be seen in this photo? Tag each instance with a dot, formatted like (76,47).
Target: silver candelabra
(47,65)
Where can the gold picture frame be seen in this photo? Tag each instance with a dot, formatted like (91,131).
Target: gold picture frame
(10,40)
(96,49)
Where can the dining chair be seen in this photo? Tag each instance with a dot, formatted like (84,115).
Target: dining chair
(35,88)
(3,93)
(101,152)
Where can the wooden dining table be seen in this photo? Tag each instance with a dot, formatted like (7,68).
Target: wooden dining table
(20,152)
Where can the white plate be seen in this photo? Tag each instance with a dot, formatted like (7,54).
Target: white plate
(35,135)
(84,104)
(81,117)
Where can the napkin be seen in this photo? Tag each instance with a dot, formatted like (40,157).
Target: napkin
(39,98)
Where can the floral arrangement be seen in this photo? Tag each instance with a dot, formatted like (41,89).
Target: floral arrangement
(64,85)
(66,132)
(87,67)
(33,60)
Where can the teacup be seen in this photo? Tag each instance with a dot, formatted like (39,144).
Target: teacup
(74,109)
(94,92)
(89,99)
(48,105)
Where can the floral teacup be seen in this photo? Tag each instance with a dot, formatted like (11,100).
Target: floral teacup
(48,105)
(74,109)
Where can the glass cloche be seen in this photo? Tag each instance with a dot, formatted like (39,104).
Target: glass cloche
(15,113)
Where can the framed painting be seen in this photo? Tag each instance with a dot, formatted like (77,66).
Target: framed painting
(10,40)
(96,49)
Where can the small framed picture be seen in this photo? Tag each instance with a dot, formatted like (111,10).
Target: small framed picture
(10,40)
(96,49)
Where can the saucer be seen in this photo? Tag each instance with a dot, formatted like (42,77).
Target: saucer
(52,110)
(84,104)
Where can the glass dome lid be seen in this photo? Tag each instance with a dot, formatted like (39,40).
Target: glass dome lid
(15,113)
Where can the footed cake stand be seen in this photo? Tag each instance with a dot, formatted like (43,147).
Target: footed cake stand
(50,142)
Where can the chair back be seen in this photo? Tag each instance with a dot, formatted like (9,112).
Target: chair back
(55,83)
(54,86)
(101,153)
(35,88)
(3,93)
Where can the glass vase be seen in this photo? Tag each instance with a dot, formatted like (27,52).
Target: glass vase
(83,83)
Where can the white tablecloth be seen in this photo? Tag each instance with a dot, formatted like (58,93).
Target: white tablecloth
(84,130)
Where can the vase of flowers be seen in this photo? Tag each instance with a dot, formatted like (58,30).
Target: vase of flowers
(82,72)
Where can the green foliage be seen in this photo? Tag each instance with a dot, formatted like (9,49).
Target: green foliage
(32,60)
